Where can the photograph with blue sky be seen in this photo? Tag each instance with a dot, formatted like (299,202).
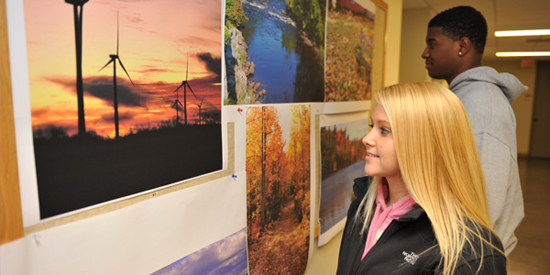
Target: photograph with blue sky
(224,257)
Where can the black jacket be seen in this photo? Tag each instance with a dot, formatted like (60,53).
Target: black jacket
(400,248)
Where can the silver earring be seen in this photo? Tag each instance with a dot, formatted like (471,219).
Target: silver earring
(459,53)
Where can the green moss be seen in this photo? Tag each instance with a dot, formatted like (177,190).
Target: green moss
(310,16)
(226,35)
(234,14)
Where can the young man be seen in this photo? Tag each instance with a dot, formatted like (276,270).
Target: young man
(455,43)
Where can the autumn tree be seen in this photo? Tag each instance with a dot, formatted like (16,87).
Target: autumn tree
(277,191)
(265,165)
(299,158)
(338,151)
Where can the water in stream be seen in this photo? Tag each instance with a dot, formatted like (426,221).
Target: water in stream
(287,68)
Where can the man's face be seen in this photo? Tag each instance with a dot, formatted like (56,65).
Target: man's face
(441,54)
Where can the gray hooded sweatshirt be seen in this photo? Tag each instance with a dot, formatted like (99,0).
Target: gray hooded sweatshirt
(486,95)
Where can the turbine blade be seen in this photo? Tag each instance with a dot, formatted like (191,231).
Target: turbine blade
(117,33)
(179,87)
(191,89)
(105,65)
(179,103)
(120,62)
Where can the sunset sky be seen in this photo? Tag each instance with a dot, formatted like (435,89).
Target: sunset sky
(155,39)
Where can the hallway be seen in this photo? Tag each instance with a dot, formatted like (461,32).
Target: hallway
(532,254)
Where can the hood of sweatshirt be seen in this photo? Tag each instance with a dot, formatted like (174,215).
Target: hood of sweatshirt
(361,186)
(509,84)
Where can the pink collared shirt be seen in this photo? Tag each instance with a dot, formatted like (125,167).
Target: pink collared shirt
(383,215)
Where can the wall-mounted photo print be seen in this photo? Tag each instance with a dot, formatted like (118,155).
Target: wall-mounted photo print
(278,188)
(125,97)
(226,256)
(274,51)
(342,160)
(349,54)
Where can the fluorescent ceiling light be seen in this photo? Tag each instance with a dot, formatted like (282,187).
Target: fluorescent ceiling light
(522,33)
(516,54)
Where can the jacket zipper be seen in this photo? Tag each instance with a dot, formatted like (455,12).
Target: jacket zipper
(363,240)
(380,239)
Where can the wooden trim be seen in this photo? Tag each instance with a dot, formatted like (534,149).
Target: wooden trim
(11,220)
(385,44)
(381,4)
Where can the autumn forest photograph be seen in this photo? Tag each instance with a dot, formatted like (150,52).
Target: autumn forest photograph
(278,188)
(350,38)
(125,97)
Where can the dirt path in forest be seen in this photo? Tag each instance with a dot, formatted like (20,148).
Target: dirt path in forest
(280,231)
(277,249)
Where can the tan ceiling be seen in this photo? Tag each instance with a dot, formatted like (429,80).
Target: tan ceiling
(502,15)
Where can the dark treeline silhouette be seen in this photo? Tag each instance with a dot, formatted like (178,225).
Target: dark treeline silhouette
(79,171)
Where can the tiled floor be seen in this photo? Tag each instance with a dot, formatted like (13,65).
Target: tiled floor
(532,254)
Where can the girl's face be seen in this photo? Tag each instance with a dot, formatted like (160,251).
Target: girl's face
(381,157)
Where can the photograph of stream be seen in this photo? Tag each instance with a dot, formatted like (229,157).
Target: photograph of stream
(274,51)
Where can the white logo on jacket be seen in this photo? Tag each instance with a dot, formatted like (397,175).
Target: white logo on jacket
(410,258)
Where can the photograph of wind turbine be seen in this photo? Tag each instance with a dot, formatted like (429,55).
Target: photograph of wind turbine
(78,9)
(114,58)
(200,111)
(177,104)
(126,142)
(185,85)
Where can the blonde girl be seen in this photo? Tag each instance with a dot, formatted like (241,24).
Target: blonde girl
(423,208)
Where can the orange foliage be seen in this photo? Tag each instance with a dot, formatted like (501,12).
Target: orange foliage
(338,151)
(277,191)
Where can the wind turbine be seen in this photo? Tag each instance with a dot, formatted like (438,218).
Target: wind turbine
(115,57)
(186,85)
(200,105)
(176,105)
(78,41)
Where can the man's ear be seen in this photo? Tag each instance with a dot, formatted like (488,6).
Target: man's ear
(465,45)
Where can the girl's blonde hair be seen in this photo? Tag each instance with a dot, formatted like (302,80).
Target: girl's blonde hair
(439,163)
